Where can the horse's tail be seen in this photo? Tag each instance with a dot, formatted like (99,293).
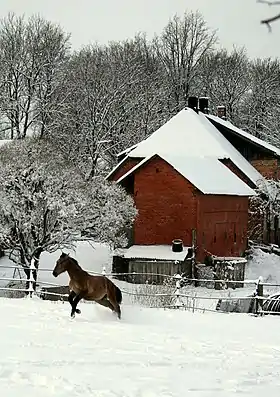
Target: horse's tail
(118,295)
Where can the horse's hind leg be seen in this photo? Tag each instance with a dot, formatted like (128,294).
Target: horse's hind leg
(114,303)
(105,302)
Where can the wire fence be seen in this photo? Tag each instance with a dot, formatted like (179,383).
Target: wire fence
(176,292)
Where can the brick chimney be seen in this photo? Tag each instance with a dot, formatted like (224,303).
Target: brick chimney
(221,112)
(193,103)
(204,104)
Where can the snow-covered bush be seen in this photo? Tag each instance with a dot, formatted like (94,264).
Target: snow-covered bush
(116,212)
(268,195)
(46,205)
(264,207)
(150,295)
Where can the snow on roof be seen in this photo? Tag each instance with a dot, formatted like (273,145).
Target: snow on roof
(207,174)
(160,252)
(271,148)
(127,150)
(189,133)
(4,141)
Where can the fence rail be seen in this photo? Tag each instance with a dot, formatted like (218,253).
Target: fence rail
(177,295)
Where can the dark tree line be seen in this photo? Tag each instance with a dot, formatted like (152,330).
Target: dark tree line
(95,102)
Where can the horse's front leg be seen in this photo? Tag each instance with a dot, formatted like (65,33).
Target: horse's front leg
(75,302)
(71,299)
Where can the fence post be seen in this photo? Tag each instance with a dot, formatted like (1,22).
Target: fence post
(259,293)
(104,270)
(193,264)
(177,293)
(31,278)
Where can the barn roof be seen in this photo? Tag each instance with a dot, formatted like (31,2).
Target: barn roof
(207,174)
(192,134)
(245,135)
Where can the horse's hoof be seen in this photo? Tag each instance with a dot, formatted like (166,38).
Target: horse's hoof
(72,315)
(78,311)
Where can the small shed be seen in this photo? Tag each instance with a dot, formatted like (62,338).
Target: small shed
(150,263)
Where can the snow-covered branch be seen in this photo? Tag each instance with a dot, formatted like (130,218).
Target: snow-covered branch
(269,20)
(32,53)
(46,205)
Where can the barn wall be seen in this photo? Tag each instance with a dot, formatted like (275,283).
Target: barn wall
(268,167)
(222,225)
(166,202)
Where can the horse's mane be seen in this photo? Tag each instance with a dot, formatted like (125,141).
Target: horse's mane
(75,262)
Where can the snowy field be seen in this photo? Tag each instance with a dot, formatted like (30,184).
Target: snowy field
(149,353)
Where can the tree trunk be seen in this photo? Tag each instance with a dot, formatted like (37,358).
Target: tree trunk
(27,271)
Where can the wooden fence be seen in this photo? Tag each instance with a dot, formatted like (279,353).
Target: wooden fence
(178,292)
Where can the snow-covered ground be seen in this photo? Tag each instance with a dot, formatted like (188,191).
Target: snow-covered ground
(149,353)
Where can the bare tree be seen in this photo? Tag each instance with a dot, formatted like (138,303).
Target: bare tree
(275,17)
(145,97)
(114,99)
(261,110)
(181,47)
(225,77)
(93,90)
(31,54)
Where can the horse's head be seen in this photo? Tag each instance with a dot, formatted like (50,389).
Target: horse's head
(61,264)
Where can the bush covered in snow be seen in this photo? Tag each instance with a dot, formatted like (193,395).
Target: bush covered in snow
(150,295)
(46,205)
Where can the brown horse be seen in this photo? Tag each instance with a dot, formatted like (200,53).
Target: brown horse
(84,286)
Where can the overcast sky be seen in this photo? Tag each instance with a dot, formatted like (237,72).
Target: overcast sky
(236,21)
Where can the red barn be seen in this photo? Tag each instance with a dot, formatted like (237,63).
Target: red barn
(265,158)
(260,154)
(187,176)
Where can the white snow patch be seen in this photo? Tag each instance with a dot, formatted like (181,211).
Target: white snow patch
(149,353)
(265,265)
(163,252)
(4,141)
